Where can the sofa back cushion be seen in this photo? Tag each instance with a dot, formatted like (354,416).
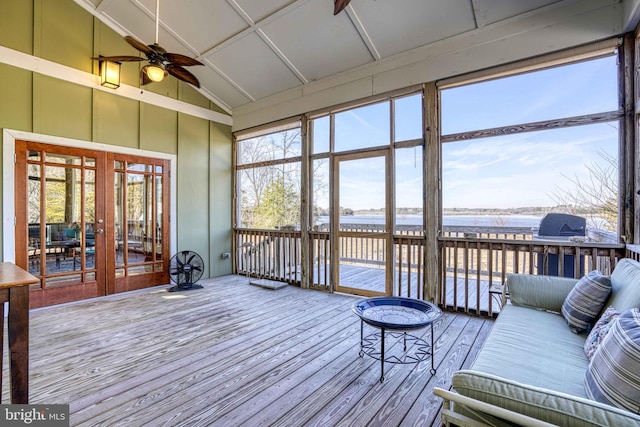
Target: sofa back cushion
(584,303)
(625,285)
(613,375)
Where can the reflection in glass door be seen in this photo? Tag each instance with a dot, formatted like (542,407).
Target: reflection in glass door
(363,246)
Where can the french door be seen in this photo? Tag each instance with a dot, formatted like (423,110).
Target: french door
(363,247)
(89,222)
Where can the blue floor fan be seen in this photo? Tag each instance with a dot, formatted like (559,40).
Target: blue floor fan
(185,269)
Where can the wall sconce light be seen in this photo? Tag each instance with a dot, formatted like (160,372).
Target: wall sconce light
(109,74)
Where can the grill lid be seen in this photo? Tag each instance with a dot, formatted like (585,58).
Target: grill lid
(559,224)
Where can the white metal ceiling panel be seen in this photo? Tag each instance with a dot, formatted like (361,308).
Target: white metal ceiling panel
(140,24)
(132,19)
(491,11)
(219,87)
(203,23)
(259,10)
(317,43)
(254,67)
(397,26)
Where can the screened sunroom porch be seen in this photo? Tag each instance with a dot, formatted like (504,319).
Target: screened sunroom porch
(438,191)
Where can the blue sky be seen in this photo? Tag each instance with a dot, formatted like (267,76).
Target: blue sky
(509,171)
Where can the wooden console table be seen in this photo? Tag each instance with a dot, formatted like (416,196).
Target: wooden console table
(14,288)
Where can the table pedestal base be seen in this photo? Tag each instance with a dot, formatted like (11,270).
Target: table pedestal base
(418,349)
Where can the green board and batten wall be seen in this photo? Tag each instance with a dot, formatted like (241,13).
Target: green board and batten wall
(62,32)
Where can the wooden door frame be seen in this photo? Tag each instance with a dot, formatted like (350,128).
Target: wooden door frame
(387,154)
(9,138)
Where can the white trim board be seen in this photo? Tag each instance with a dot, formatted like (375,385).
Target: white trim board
(72,75)
(8,173)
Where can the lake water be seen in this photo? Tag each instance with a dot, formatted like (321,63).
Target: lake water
(471,220)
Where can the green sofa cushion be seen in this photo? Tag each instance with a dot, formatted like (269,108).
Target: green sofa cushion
(545,404)
(625,285)
(541,292)
(534,347)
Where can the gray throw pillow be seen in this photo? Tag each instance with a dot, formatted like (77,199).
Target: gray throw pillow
(613,375)
(586,300)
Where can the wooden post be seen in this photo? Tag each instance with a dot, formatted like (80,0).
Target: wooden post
(432,191)
(305,202)
(627,148)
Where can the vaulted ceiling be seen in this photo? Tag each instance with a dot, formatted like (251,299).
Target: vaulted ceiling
(257,49)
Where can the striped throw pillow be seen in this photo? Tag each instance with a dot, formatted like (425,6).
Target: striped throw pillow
(613,375)
(586,300)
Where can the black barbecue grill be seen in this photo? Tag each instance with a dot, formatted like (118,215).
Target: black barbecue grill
(559,227)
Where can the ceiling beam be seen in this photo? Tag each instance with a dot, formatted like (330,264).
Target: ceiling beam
(355,20)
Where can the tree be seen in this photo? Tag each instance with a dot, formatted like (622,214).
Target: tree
(597,195)
(279,206)
(270,191)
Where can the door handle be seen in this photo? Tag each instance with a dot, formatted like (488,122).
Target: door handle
(99,231)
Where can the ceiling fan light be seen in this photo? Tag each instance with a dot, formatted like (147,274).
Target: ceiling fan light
(155,72)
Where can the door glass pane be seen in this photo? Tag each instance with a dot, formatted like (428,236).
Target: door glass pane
(119,222)
(158,222)
(408,191)
(63,216)
(62,158)
(149,219)
(89,242)
(136,219)
(362,238)
(362,194)
(321,195)
(33,215)
(138,167)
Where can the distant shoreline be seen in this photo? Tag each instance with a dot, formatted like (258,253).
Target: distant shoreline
(521,211)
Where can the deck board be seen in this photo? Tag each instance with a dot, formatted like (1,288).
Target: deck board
(232,354)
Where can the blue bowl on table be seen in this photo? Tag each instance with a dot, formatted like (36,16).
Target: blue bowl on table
(396,313)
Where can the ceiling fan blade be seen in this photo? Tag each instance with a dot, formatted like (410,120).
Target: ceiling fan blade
(123,58)
(183,74)
(340,5)
(181,60)
(139,45)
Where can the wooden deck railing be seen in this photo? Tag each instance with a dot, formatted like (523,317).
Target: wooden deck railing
(268,254)
(473,260)
(471,267)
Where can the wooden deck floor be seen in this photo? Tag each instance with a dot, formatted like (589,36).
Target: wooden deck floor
(232,354)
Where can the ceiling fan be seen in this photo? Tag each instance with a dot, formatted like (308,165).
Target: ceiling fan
(339,6)
(161,62)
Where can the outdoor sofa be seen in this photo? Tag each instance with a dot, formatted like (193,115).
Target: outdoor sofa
(532,368)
